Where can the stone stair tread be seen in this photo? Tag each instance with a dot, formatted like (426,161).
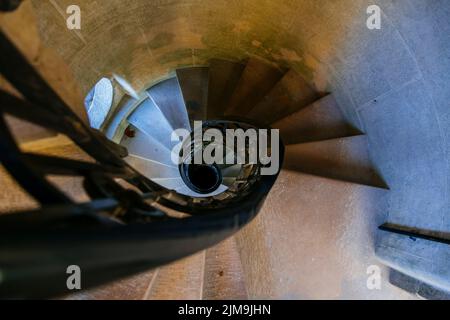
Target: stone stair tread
(132,288)
(148,118)
(224,76)
(170,183)
(184,189)
(152,169)
(181,280)
(224,278)
(313,240)
(168,97)
(194,88)
(416,257)
(321,120)
(146,147)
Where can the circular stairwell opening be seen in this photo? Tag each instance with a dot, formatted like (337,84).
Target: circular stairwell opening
(201,178)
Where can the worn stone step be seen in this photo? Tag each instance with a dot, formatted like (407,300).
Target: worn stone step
(146,147)
(194,87)
(149,119)
(131,288)
(345,159)
(314,239)
(319,121)
(181,280)
(168,97)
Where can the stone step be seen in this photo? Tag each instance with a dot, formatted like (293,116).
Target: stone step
(289,95)
(321,120)
(194,87)
(224,278)
(223,78)
(345,159)
(257,79)
(181,280)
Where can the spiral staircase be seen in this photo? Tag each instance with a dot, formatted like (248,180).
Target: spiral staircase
(321,146)
(141,227)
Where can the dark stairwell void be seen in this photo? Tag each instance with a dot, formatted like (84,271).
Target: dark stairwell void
(201,178)
(391,84)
